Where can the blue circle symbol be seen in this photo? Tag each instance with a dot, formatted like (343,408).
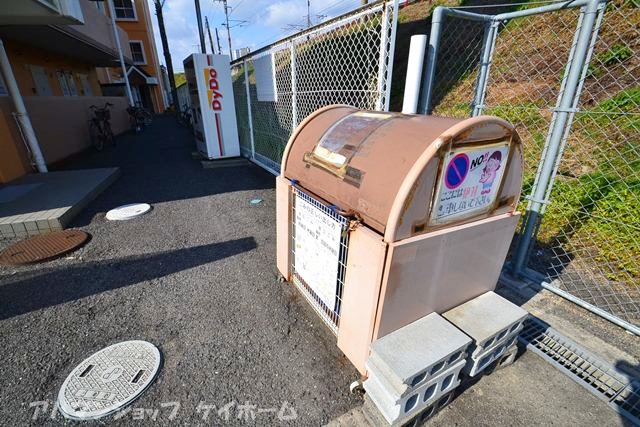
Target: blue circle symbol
(457,171)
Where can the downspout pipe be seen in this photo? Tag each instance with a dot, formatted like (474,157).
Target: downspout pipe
(112,14)
(21,111)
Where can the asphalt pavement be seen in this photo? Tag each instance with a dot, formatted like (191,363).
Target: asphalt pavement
(196,276)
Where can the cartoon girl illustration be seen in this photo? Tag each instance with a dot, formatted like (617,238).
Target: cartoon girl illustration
(490,171)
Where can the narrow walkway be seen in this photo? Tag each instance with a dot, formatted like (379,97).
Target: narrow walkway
(197,277)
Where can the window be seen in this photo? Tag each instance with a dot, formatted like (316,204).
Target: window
(137,52)
(86,86)
(3,87)
(67,83)
(125,9)
(40,80)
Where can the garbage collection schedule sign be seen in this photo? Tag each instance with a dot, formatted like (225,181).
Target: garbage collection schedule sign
(317,250)
(469,182)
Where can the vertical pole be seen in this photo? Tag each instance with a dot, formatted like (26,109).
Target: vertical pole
(555,141)
(246,86)
(112,14)
(203,48)
(167,56)
(382,59)
(489,42)
(294,89)
(308,13)
(414,74)
(226,14)
(390,55)
(426,102)
(218,40)
(206,21)
(21,110)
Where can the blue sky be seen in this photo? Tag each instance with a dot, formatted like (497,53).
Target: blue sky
(266,21)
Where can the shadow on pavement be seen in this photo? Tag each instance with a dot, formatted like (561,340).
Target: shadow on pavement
(157,166)
(33,290)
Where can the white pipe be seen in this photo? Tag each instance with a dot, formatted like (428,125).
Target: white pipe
(21,110)
(112,14)
(414,74)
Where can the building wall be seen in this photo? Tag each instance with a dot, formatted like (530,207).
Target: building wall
(14,161)
(141,29)
(23,57)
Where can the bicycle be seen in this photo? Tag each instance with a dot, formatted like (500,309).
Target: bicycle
(184,119)
(145,115)
(100,127)
(136,119)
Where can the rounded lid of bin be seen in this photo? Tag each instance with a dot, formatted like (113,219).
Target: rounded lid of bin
(394,170)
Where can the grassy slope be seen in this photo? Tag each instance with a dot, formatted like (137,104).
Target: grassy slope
(594,213)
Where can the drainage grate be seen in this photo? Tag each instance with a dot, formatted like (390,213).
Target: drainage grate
(609,384)
(43,247)
(109,380)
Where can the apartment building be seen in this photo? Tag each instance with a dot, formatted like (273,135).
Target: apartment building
(145,78)
(53,48)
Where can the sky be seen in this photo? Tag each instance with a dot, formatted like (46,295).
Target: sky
(254,23)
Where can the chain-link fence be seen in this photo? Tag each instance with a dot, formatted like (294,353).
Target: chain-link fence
(347,60)
(568,76)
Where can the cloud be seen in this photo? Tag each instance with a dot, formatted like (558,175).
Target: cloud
(280,14)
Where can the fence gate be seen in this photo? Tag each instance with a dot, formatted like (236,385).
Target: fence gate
(567,74)
(347,60)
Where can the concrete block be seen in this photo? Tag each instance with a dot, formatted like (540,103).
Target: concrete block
(489,319)
(410,356)
(6,229)
(398,410)
(480,362)
(431,411)
(43,224)
(18,228)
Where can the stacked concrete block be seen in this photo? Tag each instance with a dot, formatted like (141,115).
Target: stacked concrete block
(414,367)
(493,323)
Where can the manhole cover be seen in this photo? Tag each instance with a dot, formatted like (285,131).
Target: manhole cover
(109,380)
(125,212)
(43,247)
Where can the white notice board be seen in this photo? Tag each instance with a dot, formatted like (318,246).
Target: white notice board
(317,250)
(469,182)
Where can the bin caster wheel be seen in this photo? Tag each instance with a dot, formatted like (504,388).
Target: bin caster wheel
(356,387)
(281,279)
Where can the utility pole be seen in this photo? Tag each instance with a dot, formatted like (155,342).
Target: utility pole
(206,23)
(226,14)
(203,48)
(308,13)
(167,56)
(218,39)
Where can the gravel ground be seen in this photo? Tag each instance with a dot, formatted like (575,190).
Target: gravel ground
(196,277)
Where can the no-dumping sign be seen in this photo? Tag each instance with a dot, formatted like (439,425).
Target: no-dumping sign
(469,182)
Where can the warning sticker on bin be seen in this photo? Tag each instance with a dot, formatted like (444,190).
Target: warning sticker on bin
(469,182)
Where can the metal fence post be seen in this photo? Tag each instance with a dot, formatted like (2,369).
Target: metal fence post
(246,86)
(555,140)
(432,55)
(385,58)
(294,86)
(488,45)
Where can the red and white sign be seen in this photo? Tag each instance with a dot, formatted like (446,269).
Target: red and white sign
(214,115)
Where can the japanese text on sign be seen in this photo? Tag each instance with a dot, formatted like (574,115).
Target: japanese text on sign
(469,182)
(317,250)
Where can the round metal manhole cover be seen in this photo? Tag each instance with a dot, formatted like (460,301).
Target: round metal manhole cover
(133,210)
(109,380)
(43,247)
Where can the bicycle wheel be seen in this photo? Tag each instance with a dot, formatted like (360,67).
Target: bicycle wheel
(147,116)
(96,136)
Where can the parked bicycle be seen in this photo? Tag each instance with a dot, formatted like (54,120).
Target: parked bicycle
(100,126)
(184,119)
(136,118)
